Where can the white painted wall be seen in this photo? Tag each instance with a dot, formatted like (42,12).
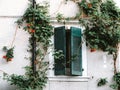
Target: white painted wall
(8,28)
(99,68)
(95,66)
(12,7)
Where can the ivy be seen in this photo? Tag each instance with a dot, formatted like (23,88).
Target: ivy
(27,81)
(9,53)
(102,30)
(110,10)
(102,82)
(116,79)
(36,22)
(88,8)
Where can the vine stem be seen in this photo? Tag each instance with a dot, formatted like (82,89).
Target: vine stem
(115,68)
(3,71)
(14,37)
(115,56)
(33,45)
(58,8)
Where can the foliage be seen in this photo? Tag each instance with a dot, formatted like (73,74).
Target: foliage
(110,10)
(101,31)
(102,81)
(29,81)
(36,22)
(116,79)
(61,18)
(58,54)
(100,35)
(9,53)
(88,8)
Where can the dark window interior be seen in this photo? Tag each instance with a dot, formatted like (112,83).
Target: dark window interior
(68,57)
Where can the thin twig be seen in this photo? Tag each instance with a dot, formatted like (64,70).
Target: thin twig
(14,37)
(3,71)
(57,8)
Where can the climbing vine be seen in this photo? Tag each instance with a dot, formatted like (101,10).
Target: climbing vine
(102,29)
(101,20)
(102,82)
(9,53)
(102,32)
(35,21)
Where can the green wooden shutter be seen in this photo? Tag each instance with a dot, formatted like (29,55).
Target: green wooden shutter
(60,44)
(76,51)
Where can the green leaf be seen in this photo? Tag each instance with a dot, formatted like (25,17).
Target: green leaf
(5,48)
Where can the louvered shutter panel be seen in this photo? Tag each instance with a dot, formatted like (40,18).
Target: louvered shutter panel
(60,44)
(76,51)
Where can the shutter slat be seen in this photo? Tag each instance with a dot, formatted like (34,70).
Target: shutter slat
(60,44)
(76,51)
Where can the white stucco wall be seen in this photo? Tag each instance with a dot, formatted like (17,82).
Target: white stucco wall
(95,66)
(21,42)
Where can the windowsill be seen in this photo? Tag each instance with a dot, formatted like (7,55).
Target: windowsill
(69,78)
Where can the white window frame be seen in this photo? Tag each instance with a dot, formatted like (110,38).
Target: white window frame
(84,77)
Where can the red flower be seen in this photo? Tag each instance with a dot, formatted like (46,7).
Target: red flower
(89,5)
(10,59)
(93,50)
(4,57)
(28,25)
(32,31)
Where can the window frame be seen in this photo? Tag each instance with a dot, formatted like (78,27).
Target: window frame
(84,77)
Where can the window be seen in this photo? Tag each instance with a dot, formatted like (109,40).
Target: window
(69,41)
